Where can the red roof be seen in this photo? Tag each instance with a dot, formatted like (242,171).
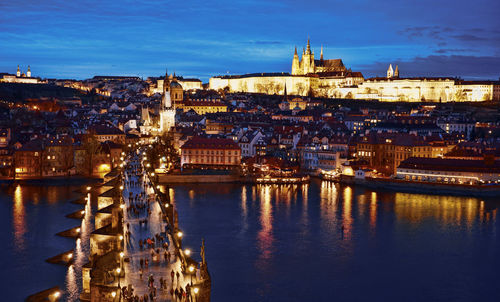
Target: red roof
(444,164)
(198,142)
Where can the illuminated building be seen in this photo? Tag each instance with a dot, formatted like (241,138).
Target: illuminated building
(19,77)
(203,106)
(167,108)
(218,153)
(309,76)
(385,151)
(450,170)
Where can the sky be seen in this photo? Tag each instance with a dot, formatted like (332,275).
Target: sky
(81,39)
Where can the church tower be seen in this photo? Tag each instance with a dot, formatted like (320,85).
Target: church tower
(308,60)
(321,55)
(390,72)
(396,72)
(28,74)
(295,63)
(167,111)
(18,73)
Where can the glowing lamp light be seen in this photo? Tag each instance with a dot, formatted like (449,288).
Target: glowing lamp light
(191,268)
(121,237)
(83,212)
(88,188)
(70,255)
(152,173)
(122,254)
(57,294)
(148,165)
(78,230)
(196,290)
(122,206)
(179,234)
(118,270)
(158,187)
(113,294)
(121,187)
(167,205)
(187,252)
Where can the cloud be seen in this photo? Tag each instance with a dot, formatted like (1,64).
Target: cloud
(453,50)
(469,38)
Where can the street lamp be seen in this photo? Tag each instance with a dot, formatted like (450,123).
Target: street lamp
(187,252)
(196,291)
(179,234)
(88,188)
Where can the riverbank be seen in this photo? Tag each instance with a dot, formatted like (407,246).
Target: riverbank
(53,181)
(423,187)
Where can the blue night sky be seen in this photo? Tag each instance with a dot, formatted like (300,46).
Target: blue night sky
(80,39)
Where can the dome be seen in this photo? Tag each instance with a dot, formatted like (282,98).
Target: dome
(175,85)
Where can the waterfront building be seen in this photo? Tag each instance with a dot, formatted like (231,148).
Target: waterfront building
(385,151)
(458,171)
(28,159)
(58,156)
(217,153)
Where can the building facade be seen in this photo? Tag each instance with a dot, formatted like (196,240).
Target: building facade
(218,153)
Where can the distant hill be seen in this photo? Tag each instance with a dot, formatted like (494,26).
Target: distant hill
(19,91)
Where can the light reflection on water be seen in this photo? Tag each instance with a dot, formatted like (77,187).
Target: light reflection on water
(31,216)
(82,250)
(19,219)
(287,234)
(277,239)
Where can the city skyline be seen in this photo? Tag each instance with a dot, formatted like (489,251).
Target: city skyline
(198,39)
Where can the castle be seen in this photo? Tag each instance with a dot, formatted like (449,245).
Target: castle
(308,65)
(309,77)
(330,78)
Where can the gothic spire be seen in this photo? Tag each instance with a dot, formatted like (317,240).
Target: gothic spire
(295,54)
(285,98)
(308,51)
(321,56)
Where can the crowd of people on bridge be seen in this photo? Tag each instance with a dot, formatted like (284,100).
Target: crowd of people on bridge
(157,245)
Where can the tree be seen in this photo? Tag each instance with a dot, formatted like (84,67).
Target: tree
(460,96)
(92,147)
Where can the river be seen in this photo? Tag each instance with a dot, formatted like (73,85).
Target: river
(315,242)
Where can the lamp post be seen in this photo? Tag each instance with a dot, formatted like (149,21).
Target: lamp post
(196,291)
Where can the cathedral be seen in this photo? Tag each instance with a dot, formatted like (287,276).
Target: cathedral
(167,108)
(308,65)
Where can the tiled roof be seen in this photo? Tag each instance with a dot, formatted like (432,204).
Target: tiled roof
(198,142)
(444,164)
